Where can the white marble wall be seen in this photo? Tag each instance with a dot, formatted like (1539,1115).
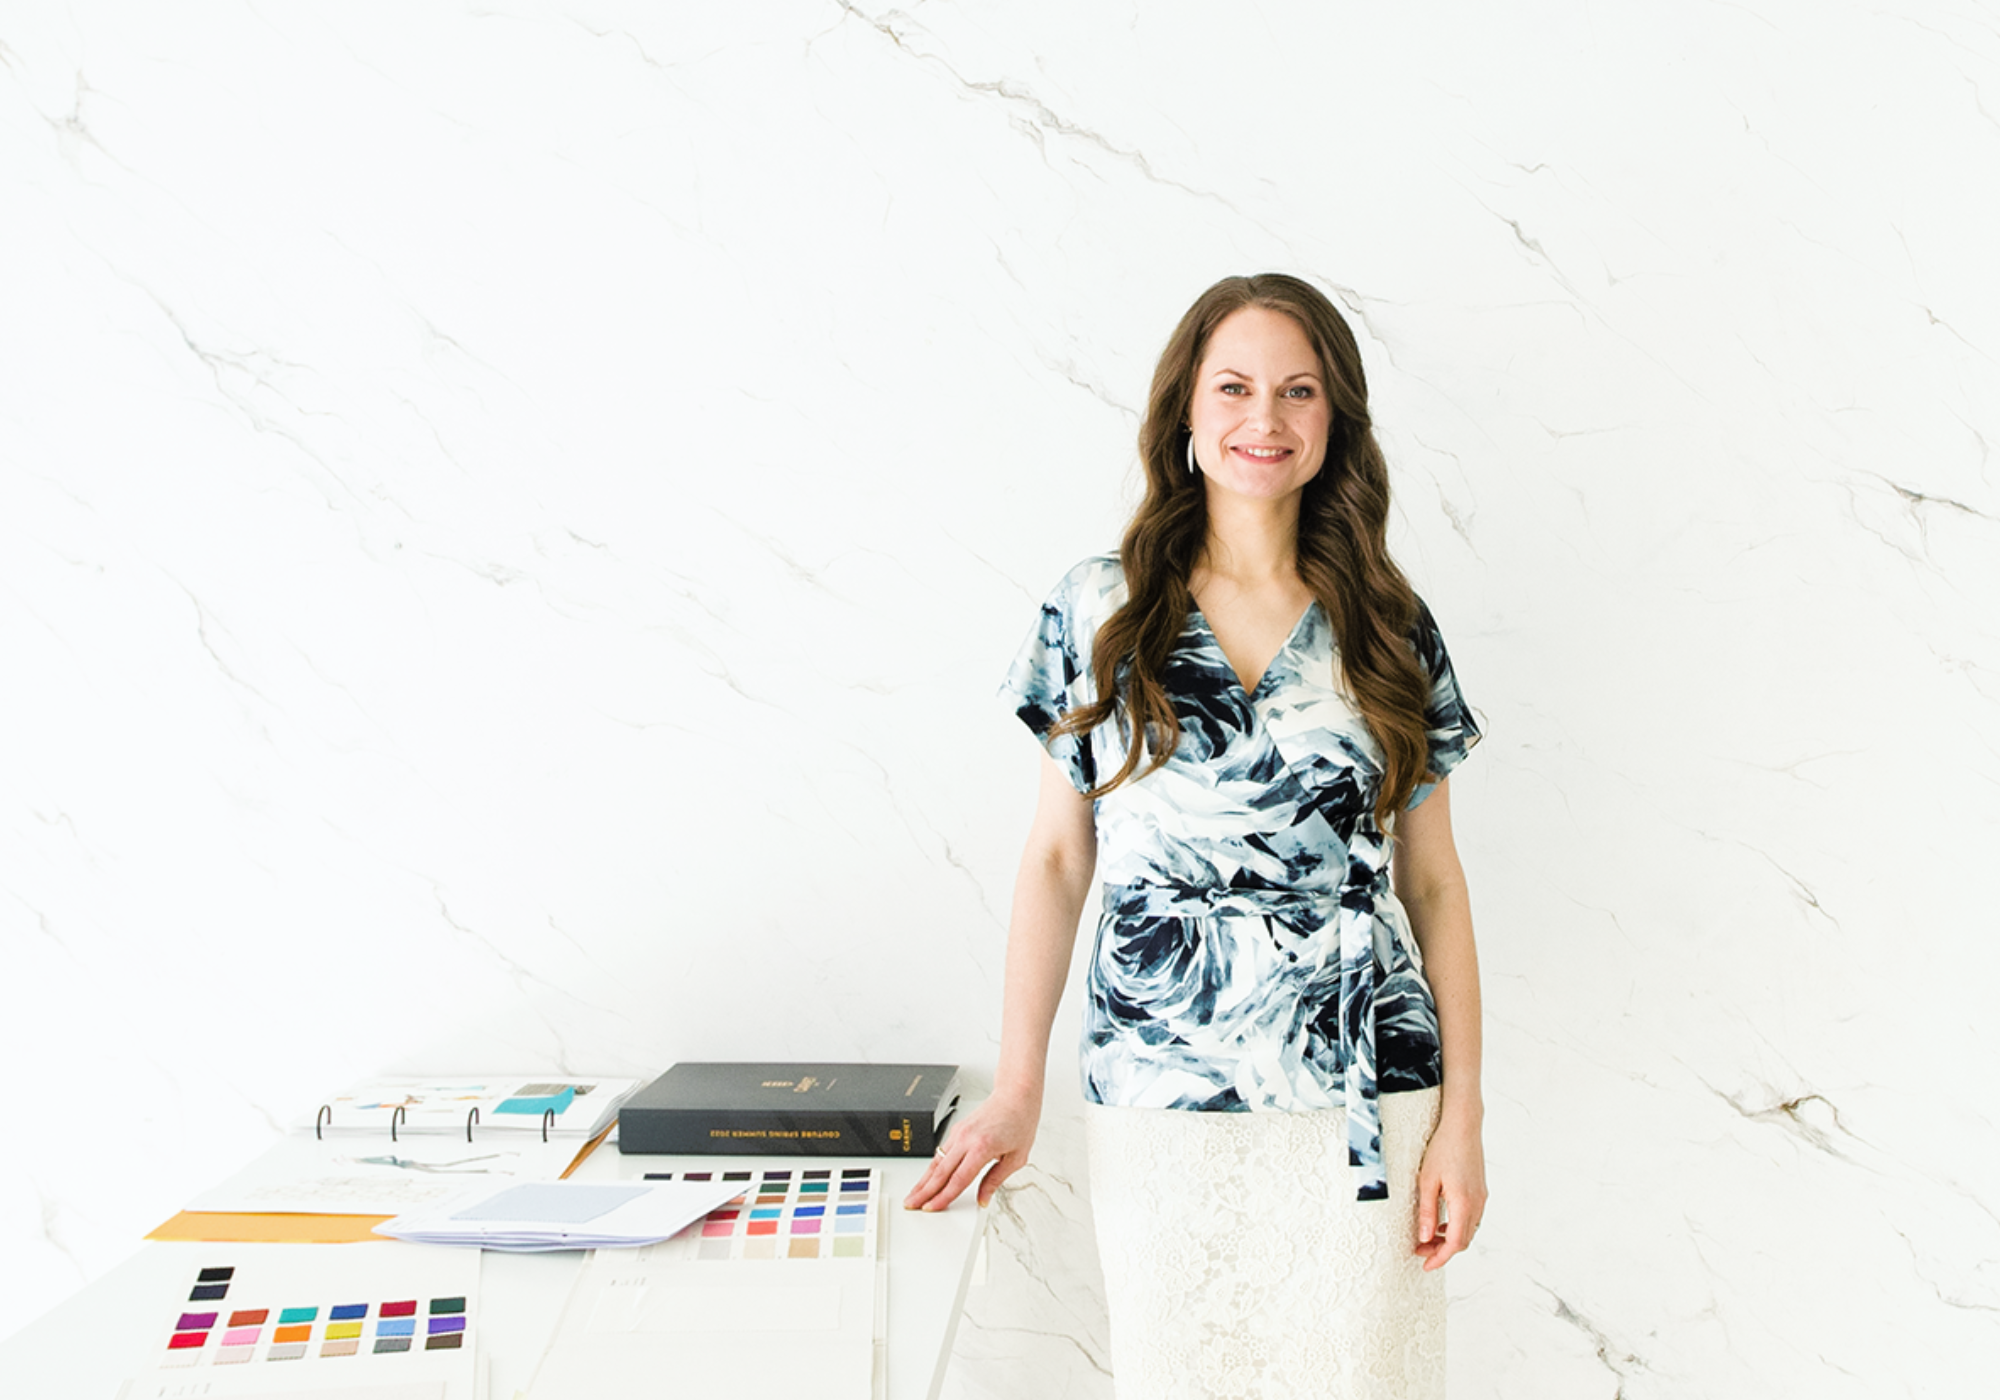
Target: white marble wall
(512,513)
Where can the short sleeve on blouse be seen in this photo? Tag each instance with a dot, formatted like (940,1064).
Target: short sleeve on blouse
(1450,729)
(1051,673)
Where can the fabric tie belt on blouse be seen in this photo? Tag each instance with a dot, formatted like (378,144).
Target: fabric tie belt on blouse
(1350,912)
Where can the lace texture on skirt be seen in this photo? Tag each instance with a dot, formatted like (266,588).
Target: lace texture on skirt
(1239,1266)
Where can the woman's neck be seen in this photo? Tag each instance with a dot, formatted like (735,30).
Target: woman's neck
(1250,542)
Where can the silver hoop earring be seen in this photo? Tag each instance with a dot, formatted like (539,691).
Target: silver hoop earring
(1193,470)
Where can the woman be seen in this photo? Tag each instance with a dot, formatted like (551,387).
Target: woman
(1283,1031)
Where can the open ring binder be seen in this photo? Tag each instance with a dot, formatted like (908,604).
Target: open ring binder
(324,1120)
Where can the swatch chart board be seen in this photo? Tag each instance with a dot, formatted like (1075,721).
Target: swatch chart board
(776,1294)
(816,1213)
(274,1320)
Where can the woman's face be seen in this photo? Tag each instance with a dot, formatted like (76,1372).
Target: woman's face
(1260,414)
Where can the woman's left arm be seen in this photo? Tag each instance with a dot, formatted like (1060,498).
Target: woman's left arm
(1431,885)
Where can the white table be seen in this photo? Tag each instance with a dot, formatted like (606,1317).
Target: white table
(81,1350)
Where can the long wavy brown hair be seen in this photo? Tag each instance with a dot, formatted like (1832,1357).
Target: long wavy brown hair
(1343,551)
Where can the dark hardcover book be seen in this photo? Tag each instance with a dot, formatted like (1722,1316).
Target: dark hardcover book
(792,1110)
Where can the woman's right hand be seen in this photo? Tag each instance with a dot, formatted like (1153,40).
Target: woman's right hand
(1000,1131)
(1055,876)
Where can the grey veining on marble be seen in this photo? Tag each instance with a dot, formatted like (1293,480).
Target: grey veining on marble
(512,514)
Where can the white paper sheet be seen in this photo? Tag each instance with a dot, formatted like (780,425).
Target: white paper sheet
(562,1214)
(652,1321)
(198,1390)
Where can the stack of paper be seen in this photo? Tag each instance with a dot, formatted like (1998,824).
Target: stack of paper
(563,1215)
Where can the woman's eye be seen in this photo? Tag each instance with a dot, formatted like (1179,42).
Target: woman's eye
(1234,389)
(1300,391)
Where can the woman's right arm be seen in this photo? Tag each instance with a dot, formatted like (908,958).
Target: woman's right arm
(1049,892)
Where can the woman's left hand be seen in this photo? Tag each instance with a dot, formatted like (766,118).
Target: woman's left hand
(1454,1173)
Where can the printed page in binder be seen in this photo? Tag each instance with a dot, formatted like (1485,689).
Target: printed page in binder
(349,1173)
(322,1320)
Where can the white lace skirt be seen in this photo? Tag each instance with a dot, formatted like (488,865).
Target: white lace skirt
(1239,1266)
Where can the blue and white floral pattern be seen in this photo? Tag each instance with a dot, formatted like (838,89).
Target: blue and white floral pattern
(1251,955)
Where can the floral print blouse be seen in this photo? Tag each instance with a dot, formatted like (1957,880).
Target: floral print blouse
(1250,955)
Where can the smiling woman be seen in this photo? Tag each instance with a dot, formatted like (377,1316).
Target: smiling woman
(1250,717)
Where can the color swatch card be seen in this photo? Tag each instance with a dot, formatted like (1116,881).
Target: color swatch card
(778,1293)
(280,1320)
(815,1213)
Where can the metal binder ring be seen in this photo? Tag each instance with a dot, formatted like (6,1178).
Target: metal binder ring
(548,1117)
(470,1119)
(398,1116)
(322,1119)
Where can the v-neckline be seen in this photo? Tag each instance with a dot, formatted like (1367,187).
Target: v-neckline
(1229,667)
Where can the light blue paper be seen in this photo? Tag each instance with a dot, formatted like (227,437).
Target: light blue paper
(541,1103)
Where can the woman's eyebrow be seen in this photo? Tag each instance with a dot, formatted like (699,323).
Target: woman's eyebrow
(1311,374)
